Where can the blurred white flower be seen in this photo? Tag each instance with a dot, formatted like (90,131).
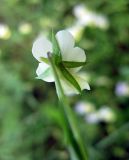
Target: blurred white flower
(122,89)
(105,114)
(76,30)
(85,17)
(5,32)
(69,53)
(25,28)
(84,108)
(92,118)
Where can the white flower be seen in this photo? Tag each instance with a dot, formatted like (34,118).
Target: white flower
(76,30)
(84,108)
(122,89)
(69,53)
(5,32)
(85,17)
(105,114)
(25,28)
(92,118)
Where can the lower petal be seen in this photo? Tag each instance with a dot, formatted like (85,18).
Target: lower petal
(69,89)
(44,72)
(81,79)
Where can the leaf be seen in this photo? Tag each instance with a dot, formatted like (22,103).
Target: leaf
(68,76)
(75,150)
(44,60)
(71,64)
(56,50)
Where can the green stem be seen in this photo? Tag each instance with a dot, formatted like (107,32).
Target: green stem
(76,140)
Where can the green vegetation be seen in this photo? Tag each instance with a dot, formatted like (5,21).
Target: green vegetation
(31,124)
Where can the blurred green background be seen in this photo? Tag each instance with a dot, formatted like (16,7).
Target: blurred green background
(30,119)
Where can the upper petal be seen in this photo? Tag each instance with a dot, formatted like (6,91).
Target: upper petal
(40,47)
(44,72)
(76,54)
(68,51)
(65,41)
(79,56)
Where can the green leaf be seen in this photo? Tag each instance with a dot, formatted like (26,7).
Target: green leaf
(44,60)
(71,64)
(68,76)
(76,154)
(56,50)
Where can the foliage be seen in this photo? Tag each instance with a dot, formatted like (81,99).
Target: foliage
(30,116)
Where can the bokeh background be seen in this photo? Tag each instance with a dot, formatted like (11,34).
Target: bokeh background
(29,111)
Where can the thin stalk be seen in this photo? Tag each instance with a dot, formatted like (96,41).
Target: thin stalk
(72,128)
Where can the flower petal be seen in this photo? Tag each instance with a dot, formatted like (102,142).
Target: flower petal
(68,51)
(40,47)
(44,72)
(77,54)
(69,89)
(66,42)
(82,82)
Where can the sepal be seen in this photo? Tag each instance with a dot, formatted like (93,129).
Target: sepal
(69,77)
(71,64)
(56,50)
